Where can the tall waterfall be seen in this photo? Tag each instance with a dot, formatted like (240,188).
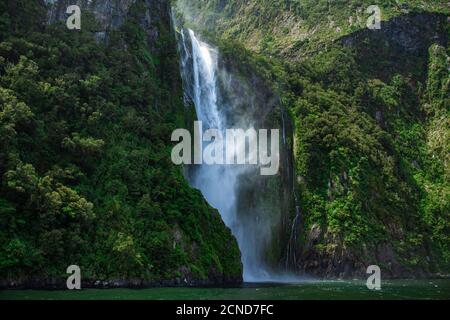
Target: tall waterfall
(207,85)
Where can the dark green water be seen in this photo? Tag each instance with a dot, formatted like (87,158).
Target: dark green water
(396,289)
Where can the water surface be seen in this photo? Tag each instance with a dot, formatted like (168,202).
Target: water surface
(310,290)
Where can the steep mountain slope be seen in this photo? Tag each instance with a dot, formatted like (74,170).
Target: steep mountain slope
(293,28)
(85,171)
(380,195)
(370,111)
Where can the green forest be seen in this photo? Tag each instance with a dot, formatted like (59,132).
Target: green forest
(85,169)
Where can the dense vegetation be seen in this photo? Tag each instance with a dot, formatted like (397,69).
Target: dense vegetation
(85,170)
(293,28)
(371,137)
(369,178)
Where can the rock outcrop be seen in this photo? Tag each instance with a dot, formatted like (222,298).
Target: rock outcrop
(112,14)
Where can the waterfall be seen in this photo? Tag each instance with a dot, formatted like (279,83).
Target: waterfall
(250,205)
(205,83)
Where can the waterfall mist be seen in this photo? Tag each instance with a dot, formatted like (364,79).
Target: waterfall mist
(223,101)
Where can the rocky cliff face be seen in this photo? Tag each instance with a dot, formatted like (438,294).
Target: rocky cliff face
(109,13)
(112,14)
(408,36)
(413,32)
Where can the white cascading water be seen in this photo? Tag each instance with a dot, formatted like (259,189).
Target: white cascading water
(219,183)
